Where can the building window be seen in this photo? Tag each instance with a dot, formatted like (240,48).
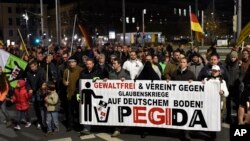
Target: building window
(184,12)
(1,33)
(10,33)
(10,21)
(18,10)
(18,21)
(9,10)
(179,12)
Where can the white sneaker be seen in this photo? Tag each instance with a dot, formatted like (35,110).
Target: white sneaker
(116,133)
(17,127)
(28,124)
(38,126)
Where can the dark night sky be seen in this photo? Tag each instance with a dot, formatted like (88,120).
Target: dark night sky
(221,6)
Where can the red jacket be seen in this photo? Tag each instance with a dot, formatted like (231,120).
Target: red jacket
(21,96)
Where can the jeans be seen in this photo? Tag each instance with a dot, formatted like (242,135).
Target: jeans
(21,115)
(72,112)
(52,121)
(40,110)
(4,111)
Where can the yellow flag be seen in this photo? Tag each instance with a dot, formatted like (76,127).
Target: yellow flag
(152,38)
(132,38)
(244,33)
(22,47)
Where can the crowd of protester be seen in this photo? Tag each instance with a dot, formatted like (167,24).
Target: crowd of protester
(51,79)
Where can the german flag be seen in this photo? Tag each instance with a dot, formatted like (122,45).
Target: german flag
(195,25)
(85,34)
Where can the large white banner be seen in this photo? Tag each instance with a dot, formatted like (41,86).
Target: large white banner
(173,104)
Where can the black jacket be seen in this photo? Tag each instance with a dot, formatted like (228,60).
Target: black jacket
(183,75)
(206,72)
(35,79)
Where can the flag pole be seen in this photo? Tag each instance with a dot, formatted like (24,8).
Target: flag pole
(23,42)
(47,72)
(73,33)
(242,46)
(72,41)
(191,32)
(202,25)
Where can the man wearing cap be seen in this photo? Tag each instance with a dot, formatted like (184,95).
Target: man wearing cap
(223,92)
(195,65)
(235,50)
(70,78)
(233,69)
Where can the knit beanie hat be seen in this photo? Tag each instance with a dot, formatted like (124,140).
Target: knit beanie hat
(234,54)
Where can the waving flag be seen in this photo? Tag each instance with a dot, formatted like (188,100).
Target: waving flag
(195,25)
(12,66)
(245,32)
(85,34)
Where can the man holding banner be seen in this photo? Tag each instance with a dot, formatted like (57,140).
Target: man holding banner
(118,73)
(223,92)
(183,74)
(89,73)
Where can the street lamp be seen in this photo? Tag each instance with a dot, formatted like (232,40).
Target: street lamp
(26,17)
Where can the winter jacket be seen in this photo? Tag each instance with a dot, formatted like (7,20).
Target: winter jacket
(52,72)
(118,75)
(35,79)
(171,67)
(206,72)
(183,75)
(104,70)
(21,96)
(73,78)
(234,73)
(195,68)
(51,101)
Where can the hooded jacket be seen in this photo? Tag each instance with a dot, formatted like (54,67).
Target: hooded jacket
(51,101)
(21,96)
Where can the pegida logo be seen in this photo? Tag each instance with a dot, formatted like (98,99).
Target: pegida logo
(102,111)
(87,101)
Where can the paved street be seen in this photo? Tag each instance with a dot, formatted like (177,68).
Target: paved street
(99,133)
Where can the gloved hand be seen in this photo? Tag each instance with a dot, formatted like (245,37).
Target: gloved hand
(95,78)
(78,97)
